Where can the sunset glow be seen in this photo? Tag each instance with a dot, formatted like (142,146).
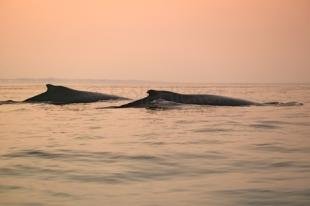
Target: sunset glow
(174,40)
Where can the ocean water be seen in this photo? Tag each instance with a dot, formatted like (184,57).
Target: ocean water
(83,154)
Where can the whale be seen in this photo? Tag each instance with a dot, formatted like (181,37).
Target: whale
(65,95)
(195,99)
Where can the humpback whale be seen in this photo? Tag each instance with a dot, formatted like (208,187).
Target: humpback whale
(65,95)
(196,99)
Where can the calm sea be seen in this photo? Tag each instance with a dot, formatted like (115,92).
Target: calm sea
(82,154)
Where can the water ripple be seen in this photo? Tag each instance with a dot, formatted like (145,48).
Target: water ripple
(260,196)
(72,155)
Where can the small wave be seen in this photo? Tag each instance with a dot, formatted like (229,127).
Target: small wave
(8,102)
(264,126)
(100,156)
(275,148)
(284,104)
(33,153)
(5,188)
(283,164)
(61,194)
(266,196)
(211,130)
(78,155)
(211,155)
(285,122)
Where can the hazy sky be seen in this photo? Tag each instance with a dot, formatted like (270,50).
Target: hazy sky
(169,40)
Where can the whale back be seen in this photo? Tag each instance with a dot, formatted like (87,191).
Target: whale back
(64,95)
(199,99)
(158,98)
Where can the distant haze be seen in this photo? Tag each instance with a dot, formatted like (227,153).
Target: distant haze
(160,40)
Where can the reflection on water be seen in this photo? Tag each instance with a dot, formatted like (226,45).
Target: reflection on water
(81,154)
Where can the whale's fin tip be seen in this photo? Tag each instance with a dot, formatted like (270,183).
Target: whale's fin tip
(152,92)
(48,86)
(51,87)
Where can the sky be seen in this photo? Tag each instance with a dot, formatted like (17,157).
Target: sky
(209,41)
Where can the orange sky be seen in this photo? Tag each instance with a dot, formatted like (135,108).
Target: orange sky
(169,40)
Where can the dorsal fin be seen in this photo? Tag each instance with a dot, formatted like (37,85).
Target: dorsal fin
(153,92)
(51,87)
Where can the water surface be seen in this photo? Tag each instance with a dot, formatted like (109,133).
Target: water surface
(81,154)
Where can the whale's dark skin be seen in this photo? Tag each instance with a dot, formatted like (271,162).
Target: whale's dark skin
(65,95)
(198,99)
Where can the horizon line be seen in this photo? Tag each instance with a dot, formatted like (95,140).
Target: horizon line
(141,81)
